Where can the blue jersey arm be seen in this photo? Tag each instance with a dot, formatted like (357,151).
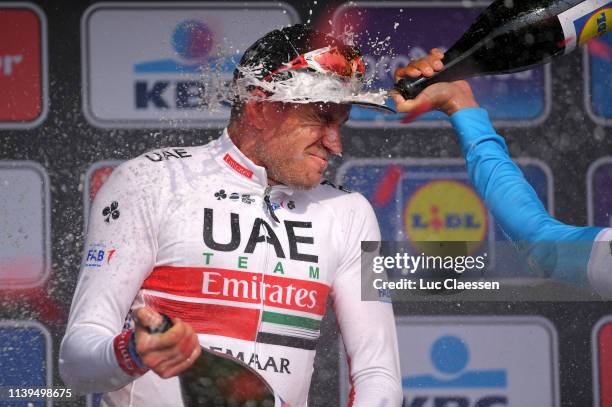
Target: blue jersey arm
(560,250)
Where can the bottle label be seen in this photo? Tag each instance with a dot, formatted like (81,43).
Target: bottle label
(589,19)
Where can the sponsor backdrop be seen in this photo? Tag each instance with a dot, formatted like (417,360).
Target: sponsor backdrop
(144,75)
(602,362)
(597,67)
(172,62)
(24,242)
(599,179)
(451,362)
(23,65)
(26,359)
(432,199)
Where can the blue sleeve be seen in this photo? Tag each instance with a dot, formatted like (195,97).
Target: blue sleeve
(562,250)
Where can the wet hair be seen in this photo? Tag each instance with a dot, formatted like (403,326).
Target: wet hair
(275,49)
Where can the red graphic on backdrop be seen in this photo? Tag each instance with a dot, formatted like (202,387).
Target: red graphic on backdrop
(21,72)
(601,49)
(98,178)
(387,185)
(41,300)
(604,364)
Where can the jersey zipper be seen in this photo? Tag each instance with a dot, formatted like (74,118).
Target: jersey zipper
(262,291)
(269,204)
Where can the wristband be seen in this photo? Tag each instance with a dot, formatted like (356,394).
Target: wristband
(125,351)
(132,349)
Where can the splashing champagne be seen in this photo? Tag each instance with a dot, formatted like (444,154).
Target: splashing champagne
(517,35)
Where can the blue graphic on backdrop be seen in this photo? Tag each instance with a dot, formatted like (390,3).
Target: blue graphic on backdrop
(450,356)
(410,33)
(389,185)
(23,359)
(193,41)
(600,52)
(601,184)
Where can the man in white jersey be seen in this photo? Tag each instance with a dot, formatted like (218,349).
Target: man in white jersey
(240,244)
(579,255)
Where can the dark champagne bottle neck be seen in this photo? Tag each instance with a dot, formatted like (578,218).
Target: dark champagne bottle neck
(509,36)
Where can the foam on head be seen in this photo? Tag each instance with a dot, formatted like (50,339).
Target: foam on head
(305,87)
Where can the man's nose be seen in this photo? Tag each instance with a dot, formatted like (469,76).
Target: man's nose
(331,140)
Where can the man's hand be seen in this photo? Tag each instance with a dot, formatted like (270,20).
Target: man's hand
(168,353)
(447,97)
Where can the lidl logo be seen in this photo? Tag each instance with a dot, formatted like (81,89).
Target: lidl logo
(594,24)
(445,210)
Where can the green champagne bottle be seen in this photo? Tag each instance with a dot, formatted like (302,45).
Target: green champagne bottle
(516,35)
(219,380)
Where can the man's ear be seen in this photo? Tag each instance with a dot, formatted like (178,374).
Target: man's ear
(264,114)
(255,110)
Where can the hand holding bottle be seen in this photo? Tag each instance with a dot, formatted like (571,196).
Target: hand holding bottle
(169,353)
(448,97)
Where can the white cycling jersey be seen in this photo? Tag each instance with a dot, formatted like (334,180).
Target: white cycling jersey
(187,231)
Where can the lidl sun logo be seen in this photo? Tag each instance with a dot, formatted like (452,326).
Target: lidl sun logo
(445,210)
(594,24)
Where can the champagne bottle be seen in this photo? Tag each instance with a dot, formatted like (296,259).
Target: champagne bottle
(516,35)
(218,380)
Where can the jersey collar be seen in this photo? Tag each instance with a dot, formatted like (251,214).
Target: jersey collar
(235,161)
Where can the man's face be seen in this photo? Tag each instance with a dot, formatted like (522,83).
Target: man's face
(299,140)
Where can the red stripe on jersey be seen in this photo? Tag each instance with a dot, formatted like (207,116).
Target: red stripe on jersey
(211,319)
(240,169)
(202,282)
(239,287)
